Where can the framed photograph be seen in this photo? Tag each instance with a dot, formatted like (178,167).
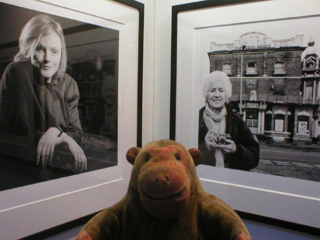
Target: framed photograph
(245,83)
(68,71)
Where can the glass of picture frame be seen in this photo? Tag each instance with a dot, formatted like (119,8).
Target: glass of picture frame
(209,36)
(115,53)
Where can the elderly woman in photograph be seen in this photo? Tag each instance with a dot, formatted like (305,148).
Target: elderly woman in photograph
(39,69)
(224,138)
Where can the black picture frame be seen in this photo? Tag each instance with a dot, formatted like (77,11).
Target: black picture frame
(140,7)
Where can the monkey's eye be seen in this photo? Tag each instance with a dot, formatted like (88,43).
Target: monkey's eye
(147,157)
(177,156)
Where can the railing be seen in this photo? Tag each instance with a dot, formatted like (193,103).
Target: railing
(275,98)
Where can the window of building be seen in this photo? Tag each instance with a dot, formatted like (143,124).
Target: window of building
(279,120)
(251,69)
(252,123)
(311,62)
(279,69)
(252,119)
(308,94)
(278,125)
(303,124)
(227,69)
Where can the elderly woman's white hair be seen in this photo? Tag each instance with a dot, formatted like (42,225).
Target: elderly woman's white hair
(214,77)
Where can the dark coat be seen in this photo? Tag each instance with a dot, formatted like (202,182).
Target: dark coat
(22,112)
(246,156)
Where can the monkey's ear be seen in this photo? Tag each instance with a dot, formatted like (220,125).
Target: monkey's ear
(132,154)
(196,155)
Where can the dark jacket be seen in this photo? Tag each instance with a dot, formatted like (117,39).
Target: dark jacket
(246,156)
(23,113)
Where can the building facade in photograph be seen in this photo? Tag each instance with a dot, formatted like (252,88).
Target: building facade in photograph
(275,84)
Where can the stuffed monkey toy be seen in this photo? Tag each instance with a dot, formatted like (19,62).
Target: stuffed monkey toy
(165,201)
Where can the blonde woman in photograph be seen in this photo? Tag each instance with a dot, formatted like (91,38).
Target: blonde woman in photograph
(39,69)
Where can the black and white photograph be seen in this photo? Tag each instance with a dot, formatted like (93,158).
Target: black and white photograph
(261,98)
(58,97)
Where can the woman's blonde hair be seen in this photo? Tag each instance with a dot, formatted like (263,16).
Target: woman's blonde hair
(35,28)
(214,77)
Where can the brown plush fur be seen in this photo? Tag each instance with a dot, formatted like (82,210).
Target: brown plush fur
(165,201)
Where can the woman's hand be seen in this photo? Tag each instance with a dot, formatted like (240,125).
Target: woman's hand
(228,147)
(77,152)
(211,140)
(46,146)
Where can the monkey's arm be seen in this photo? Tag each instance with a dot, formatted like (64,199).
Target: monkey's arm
(221,221)
(104,225)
